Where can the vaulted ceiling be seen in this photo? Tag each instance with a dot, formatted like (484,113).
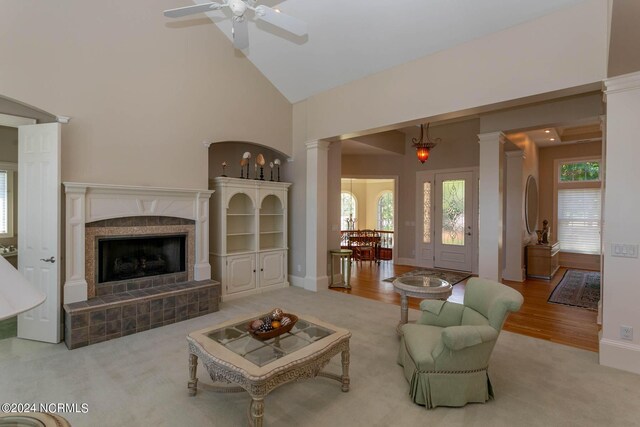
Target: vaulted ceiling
(350,39)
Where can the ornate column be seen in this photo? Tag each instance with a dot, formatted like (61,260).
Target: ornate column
(491,205)
(316,203)
(75,285)
(514,211)
(621,225)
(202,268)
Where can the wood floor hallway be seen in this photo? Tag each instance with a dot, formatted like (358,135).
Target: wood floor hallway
(537,318)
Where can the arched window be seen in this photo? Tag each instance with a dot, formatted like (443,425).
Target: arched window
(348,212)
(385,211)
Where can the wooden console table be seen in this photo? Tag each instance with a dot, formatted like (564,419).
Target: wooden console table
(543,260)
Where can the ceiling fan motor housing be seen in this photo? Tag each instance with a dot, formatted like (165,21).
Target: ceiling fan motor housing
(238,7)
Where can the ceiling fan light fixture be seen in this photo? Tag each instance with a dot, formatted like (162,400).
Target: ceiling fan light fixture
(238,7)
(240,32)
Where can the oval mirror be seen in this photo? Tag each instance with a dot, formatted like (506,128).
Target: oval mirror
(531,204)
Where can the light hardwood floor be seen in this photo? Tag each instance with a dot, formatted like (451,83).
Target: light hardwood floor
(537,318)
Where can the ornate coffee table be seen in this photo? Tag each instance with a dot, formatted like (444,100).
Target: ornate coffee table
(232,356)
(420,287)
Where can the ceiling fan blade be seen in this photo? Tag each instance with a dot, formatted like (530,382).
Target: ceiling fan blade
(240,31)
(190,10)
(280,20)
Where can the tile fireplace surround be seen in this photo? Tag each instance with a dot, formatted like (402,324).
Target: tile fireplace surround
(96,312)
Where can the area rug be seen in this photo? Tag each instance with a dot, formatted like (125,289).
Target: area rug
(450,276)
(579,289)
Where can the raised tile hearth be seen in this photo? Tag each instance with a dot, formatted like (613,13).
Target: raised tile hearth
(116,315)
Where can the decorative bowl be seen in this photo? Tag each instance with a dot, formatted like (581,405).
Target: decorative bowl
(262,336)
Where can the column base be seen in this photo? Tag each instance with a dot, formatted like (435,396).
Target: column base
(75,291)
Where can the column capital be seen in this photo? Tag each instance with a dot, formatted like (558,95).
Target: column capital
(492,137)
(515,153)
(318,144)
(622,83)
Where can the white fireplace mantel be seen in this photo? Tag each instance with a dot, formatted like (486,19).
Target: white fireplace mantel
(94,202)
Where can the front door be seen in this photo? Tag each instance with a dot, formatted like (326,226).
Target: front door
(38,227)
(453,225)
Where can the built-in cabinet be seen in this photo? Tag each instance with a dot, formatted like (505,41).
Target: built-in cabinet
(248,235)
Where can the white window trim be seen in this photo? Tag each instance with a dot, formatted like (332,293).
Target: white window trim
(11,169)
(557,185)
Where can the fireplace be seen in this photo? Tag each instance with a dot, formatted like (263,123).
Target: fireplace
(129,253)
(135,257)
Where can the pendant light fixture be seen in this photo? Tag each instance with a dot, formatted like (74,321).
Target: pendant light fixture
(424,144)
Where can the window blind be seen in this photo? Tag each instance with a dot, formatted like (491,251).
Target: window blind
(579,220)
(4,194)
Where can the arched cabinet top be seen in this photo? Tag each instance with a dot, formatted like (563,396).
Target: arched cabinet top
(237,200)
(270,195)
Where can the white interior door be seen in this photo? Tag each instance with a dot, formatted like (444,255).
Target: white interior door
(454,225)
(38,227)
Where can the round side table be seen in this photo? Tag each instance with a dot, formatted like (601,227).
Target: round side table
(343,256)
(420,287)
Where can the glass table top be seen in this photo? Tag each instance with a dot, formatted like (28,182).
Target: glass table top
(237,339)
(423,282)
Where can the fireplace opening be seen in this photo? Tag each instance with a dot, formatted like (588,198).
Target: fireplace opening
(123,258)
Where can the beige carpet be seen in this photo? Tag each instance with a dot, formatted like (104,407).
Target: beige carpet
(141,379)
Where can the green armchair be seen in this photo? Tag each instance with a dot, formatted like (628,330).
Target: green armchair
(445,354)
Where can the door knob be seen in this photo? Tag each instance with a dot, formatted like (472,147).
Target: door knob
(52,260)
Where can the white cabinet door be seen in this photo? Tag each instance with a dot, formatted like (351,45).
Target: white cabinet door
(241,273)
(39,227)
(272,268)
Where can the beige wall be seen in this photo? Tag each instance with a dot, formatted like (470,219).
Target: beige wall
(367,194)
(143,91)
(521,61)
(231,152)
(459,148)
(8,144)
(359,190)
(9,154)
(498,70)
(13,108)
(530,167)
(374,190)
(548,156)
(624,55)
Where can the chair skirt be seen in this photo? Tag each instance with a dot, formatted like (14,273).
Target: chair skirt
(433,389)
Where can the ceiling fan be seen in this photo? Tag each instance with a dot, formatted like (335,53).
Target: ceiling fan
(239,18)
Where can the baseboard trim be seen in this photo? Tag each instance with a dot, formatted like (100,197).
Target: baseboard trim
(296,281)
(406,261)
(316,284)
(620,355)
(516,276)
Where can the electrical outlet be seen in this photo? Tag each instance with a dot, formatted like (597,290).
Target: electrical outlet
(626,332)
(299,268)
